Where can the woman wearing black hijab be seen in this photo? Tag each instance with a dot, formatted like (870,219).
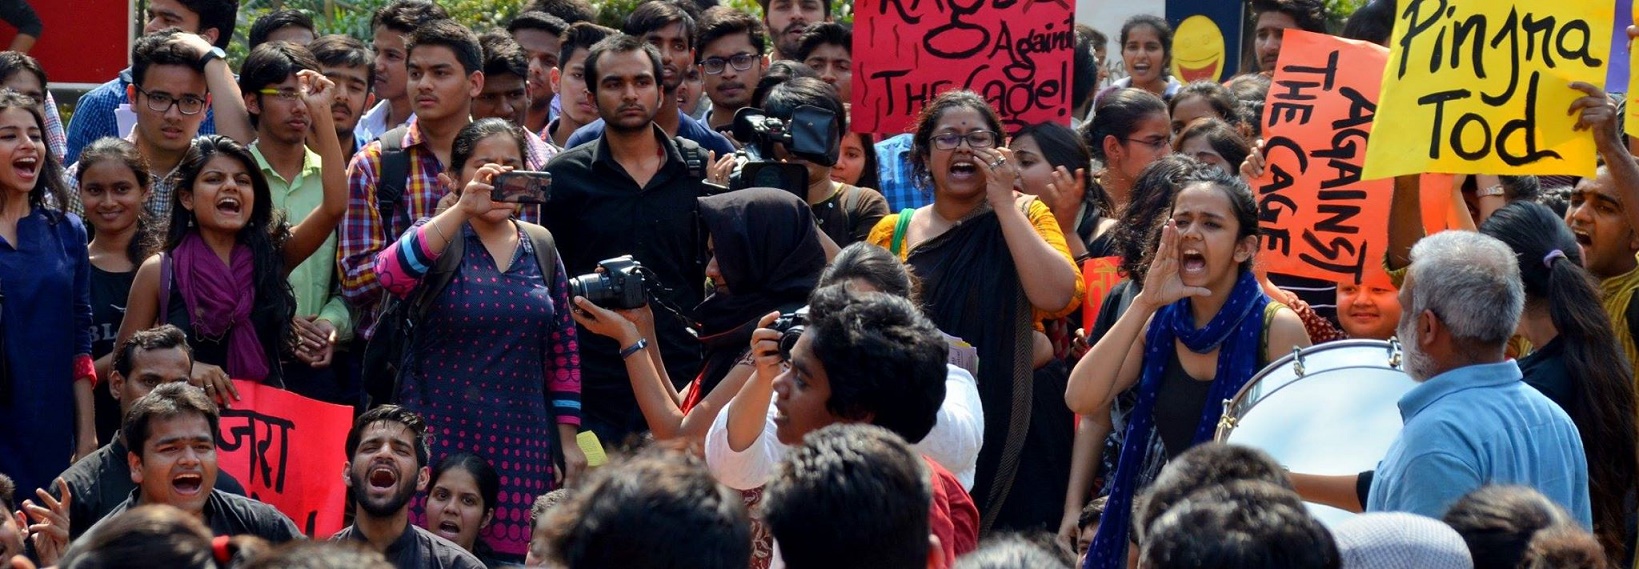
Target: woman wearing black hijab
(765,256)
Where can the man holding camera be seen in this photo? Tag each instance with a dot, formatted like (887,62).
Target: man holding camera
(857,358)
(844,212)
(629,193)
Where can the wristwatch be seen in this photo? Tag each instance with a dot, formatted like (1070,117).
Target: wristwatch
(1494,190)
(214,53)
(634,348)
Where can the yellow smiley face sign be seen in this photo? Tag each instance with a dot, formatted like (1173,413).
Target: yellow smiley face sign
(1197,50)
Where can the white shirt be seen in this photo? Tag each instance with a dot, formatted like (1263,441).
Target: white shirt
(953,443)
(374,122)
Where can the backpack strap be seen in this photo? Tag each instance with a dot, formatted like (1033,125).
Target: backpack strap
(437,279)
(1269,312)
(694,157)
(394,176)
(546,251)
(899,227)
(546,255)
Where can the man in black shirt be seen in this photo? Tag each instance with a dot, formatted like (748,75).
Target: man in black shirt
(172,432)
(629,193)
(386,465)
(101,481)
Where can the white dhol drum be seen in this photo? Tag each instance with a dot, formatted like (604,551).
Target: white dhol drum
(1327,409)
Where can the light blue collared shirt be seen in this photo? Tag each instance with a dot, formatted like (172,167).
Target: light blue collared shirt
(1479,425)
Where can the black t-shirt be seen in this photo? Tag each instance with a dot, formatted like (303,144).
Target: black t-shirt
(101,482)
(109,291)
(599,212)
(231,515)
(417,548)
(1545,370)
(848,216)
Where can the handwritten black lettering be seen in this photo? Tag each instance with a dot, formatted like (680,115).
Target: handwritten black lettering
(260,432)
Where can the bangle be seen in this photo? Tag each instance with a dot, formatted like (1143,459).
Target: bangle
(434,224)
(1494,190)
(634,348)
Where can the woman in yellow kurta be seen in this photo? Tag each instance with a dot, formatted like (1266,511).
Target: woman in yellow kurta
(992,263)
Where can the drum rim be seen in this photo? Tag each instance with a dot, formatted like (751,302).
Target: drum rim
(1228,422)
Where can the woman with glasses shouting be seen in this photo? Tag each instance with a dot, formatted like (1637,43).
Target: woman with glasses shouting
(992,263)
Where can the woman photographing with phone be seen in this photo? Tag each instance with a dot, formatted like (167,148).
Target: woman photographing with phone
(496,353)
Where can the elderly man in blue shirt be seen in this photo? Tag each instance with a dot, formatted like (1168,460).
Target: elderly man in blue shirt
(1472,421)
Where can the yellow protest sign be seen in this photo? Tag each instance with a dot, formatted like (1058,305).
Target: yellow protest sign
(1483,86)
(1632,124)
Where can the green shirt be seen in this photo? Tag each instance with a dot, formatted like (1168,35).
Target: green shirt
(312,279)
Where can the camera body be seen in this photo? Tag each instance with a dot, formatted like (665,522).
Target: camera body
(790,325)
(618,286)
(810,135)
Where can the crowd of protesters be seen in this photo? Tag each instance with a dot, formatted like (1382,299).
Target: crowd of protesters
(883,366)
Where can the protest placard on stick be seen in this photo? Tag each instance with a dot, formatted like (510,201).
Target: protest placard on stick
(1483,87)
(1320,217)
(1014,53)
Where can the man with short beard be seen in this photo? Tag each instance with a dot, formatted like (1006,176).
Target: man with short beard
(347,63)
(670,29)
(386,465)
(1471,420)
(629,192)
(731,45)
(786,20)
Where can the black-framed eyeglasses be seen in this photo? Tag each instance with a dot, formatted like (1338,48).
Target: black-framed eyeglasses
(1156,143)
(161,102)
(740,61)
(975,139)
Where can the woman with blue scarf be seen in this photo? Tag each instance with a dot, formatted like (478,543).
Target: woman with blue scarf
(1196,333)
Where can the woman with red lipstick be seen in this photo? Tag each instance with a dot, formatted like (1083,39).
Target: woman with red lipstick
(45,308)
(1195,333)
(993,262)
(222,273)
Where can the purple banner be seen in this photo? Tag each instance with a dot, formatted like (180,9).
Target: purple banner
(1616,79)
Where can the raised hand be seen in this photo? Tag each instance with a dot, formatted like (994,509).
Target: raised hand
(1598,114)
(1001,175)
(765,348)
(318,92)
(50,529)
(1252,168)
(1064,195)
(1163,286)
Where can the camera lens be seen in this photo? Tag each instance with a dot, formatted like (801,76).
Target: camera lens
(788,341)
(593,286)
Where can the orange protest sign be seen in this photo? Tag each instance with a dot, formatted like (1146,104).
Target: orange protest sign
(1319,218)
(288,451)
(1101,274)
(1014,54)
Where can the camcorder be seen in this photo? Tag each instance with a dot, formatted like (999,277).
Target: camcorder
(790,325)
(811,135)
(618,286)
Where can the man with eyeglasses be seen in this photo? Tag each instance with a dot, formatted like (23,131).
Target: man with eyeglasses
(731,44)
(290,102)
(671,30)
(94,116)
(172,76)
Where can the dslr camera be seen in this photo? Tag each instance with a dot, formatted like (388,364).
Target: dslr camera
(618,286)
(790,325)
(811,135)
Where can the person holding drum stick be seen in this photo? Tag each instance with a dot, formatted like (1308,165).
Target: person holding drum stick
(1471,420)
(1196,333)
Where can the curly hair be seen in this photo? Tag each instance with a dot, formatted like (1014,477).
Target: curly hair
(882,357)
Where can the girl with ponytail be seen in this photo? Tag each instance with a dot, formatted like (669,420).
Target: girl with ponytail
(1577,362)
